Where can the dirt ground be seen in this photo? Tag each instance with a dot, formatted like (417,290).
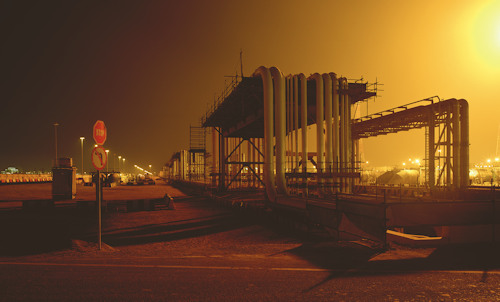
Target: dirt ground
(197,228)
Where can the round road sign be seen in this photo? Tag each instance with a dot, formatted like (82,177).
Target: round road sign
(99,132)
(99,157)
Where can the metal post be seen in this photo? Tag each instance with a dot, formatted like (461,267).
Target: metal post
(493,235)
(222,163)
(98,202)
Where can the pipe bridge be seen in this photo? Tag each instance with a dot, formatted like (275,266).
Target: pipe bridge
(447,136)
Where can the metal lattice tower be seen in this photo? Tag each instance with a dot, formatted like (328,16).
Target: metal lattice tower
(197,151)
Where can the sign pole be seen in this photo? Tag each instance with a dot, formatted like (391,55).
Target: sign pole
(98,202)
(99,160)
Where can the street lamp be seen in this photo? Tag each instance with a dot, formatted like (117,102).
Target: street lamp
(55,132)
(123,164)
(107,160)
(119,160)
(150,170)
(81,139)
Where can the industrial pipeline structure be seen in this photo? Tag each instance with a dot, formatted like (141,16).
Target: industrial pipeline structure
(295,140)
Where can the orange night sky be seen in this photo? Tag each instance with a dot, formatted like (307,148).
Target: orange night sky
(149,68)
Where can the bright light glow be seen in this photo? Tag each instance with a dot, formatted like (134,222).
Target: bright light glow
(488,160)
(498,32)
(107,151)
(367,162)
(417,161)
(82,138)
(497,159)
(404,164)
(486,34)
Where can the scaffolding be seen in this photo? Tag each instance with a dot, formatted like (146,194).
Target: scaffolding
(197,154)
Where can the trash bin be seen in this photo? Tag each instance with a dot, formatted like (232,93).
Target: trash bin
(63,179)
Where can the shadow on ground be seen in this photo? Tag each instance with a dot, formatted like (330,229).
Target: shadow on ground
(175,230)
(30,233)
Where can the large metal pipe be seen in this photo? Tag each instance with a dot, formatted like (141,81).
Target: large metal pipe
(319,125)
(303,125)
(328,119)
(344,141)
(456,143)
(336,126)
(296,121)
(350,147)
(267,83)
(289,119)
(335,109)
(464,143)
(280,128)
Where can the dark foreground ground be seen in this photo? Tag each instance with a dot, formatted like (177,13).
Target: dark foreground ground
(203,252)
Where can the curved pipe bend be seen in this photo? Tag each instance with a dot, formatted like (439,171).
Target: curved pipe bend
(280,128)
(267,83)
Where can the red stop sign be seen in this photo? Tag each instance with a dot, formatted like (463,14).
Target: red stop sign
(99,132)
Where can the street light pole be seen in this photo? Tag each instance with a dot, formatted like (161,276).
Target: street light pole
(81,139)
(55,132)
(107,161)
(123,164)
(119,160)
